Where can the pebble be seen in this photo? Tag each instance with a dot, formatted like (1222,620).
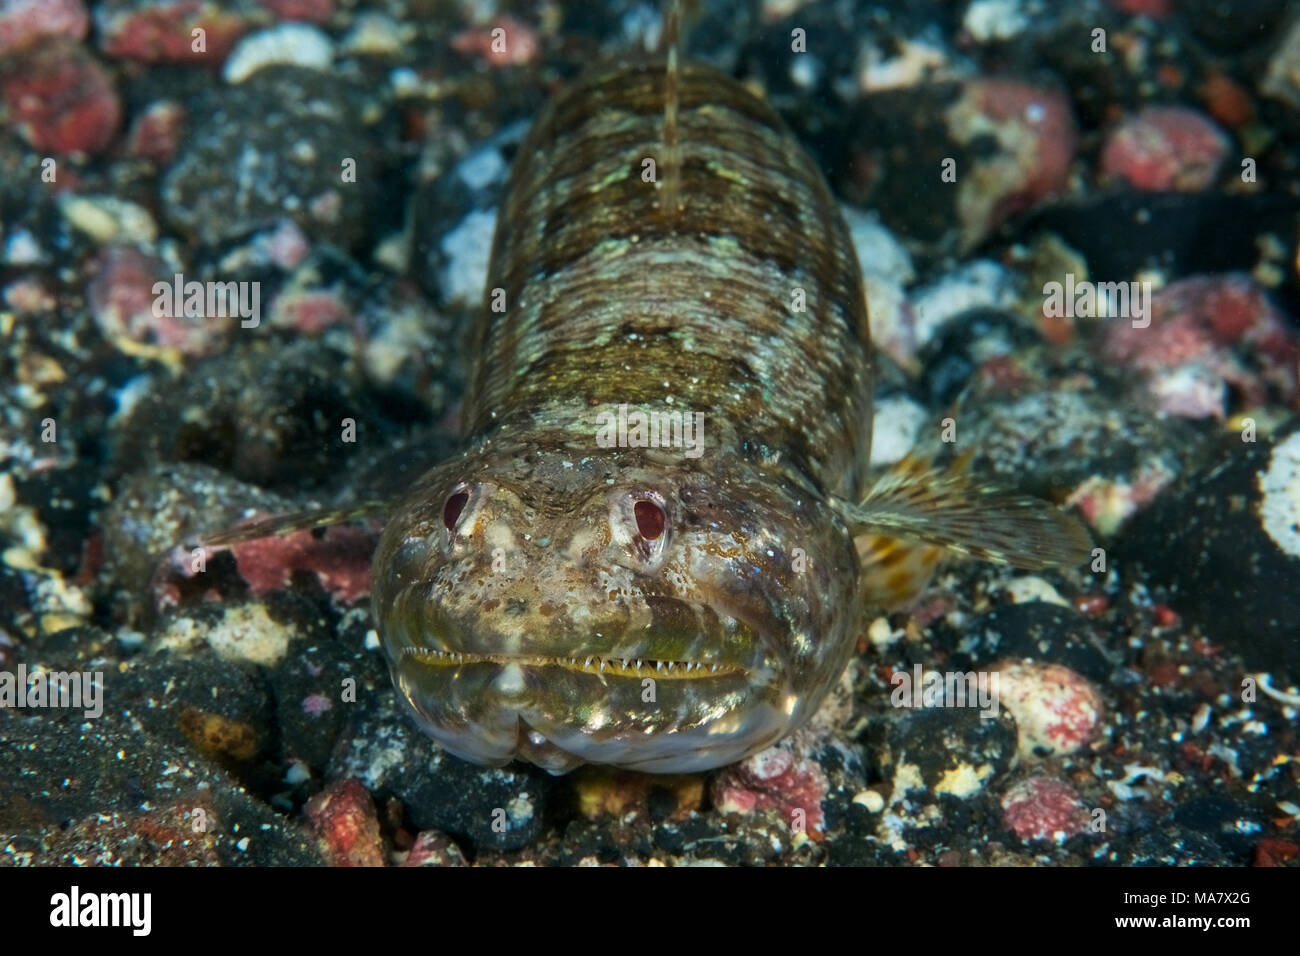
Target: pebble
(896,424)
(947,751)
(245,632)
(1282,77)
(162,31)
(343,815)
(275,147)
(375,34)
(121,300)
(109,219)
(1165,148)
(1044,808)
(1209,334)
(292,44)
(994,20)
(62,100)
(784,778)
(981,284)
(24,23)
(466,249)
(1057,710)
(1225,538)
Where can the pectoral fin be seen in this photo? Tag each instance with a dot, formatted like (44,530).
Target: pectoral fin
(917,501)
(269,525)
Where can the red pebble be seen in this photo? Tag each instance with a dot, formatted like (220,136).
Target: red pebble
(1164,616)
(1274,852)
(61,100)
(156,133)
(1091,604)
(1225,323)
(1056,709)
(306,11)
(23,22)
(434,849)
(1227,101)
(163,32)
(344,817)
(310,312)
(1150,8)
(1036,133)
(340,559)
(121,299)
(779,778)
(517,44)
(1044,808)
(1165,148)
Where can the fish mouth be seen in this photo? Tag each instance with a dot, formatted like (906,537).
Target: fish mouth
(676,670)
(661,714)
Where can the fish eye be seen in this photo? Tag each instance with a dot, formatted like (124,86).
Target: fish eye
(650,519)
(451,511)
(639,522)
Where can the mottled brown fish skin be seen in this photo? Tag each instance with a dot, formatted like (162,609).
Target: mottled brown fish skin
(612,298)
(529,626)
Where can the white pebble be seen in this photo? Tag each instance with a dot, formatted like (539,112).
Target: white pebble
(1279,511)
(978,284)
(879,252)
(994,19)
(468,248)
(296,44)
(897,422)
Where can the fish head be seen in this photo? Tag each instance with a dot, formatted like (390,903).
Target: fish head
(627,608)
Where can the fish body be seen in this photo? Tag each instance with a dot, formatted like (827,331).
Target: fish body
(659,546)
(643,606)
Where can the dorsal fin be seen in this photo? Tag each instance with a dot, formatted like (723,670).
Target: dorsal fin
(671,46)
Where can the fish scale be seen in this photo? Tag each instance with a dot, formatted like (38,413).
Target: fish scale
(611,298)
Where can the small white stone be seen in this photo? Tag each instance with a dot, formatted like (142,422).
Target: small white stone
(870,799)
(896,424)
(481,168)
(296,44)
(377,34)
(979,284)
(1030,587)
(244,633)
(1279,484)
(994,19)
(468,248)
(22,249)
(106,218)
(879,252)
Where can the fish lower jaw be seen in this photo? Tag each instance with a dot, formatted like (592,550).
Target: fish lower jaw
(587,664)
